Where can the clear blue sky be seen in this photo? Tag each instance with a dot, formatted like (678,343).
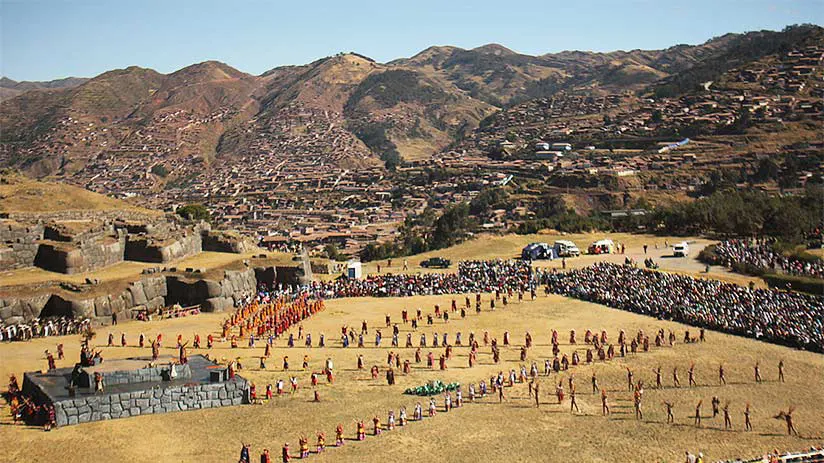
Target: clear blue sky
(43,40)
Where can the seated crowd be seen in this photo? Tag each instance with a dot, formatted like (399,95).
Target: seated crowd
(788,318)
(762,254)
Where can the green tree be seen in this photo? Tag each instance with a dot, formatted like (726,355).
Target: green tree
(333,253)
(195,212)
(160,170)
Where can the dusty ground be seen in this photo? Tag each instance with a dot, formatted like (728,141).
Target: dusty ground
(512,431)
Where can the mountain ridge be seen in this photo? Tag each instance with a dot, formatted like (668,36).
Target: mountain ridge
(371,112)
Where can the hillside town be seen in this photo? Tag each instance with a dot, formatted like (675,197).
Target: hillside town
(296,177)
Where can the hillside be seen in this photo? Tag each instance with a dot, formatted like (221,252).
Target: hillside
(738,50)
(10,88)
(149,131)
(20,194)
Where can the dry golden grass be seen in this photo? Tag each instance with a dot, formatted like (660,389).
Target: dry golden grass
(512,431)
(20,194)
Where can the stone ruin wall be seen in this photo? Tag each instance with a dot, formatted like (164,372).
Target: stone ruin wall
(91,254)
(214,295)
(59,216)
(217,241)
(149,293)
(18,244)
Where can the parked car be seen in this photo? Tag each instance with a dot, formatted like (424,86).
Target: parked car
(681,249)
(565,248)
(436,262)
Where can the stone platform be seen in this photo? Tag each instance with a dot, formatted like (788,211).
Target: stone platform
(134,392)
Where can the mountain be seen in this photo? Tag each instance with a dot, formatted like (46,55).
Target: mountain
(738,50)
(10,88)
(345,110)
(367,110)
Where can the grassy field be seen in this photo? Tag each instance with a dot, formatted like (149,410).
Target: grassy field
(512,431)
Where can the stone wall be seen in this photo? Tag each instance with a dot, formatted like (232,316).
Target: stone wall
(148,402)
(149,391)
(147,249)
(151,292)
(18,244)
(85,256)
(85,215)
(213,295)
(18,310)
(148,293)
(219,241)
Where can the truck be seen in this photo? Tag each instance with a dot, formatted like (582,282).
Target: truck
(605,246)
(681,249)
(566,248)
(436,262)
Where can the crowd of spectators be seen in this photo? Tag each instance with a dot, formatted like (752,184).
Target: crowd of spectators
(787,318)
(813,455)
(39,328)
(472,276)
(762,255)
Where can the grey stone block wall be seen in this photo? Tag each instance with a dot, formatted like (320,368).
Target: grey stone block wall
(218,241)
(213,295)
(150,292)
(18,244)
(18,310)
(160,399)
(88,255)
(146,249)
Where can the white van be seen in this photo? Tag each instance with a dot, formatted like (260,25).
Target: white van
(565,248)
(681,249)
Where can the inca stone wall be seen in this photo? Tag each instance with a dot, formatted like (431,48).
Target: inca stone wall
(213,295)
(149,293)
(227,242)
(18,244)
(84,215)
(86,256)
(147,249)
(18,310)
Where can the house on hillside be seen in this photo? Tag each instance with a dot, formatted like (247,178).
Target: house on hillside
(549,155)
